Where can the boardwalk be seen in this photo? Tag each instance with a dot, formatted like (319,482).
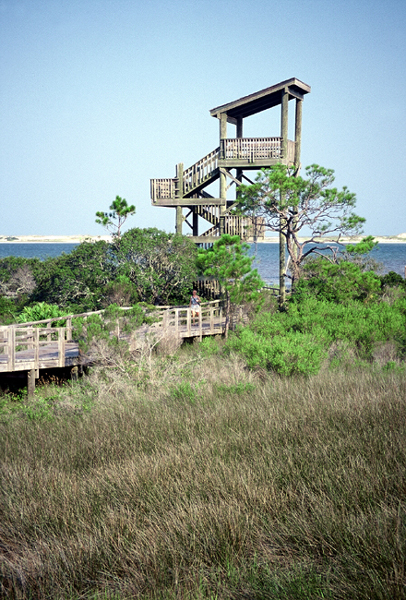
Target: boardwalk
(30,347)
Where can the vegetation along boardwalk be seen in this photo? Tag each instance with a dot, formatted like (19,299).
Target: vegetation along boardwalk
(30,347)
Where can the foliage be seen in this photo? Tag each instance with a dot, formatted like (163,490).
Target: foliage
(40,311)
(121,291)
(207,482)
(289,203)
(109,326)
(361,248)
(18,279)
(119,212)
(336,282)
(77,279)
(161,266)
(291,353)
(7,308)
(298,341)
(360,254)
(147,265)
(228,262)
(392,279)
(10,265)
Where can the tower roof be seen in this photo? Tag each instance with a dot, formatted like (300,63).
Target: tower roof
(262,100)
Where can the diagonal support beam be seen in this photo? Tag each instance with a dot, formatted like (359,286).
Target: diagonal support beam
(228,174)
(248,179)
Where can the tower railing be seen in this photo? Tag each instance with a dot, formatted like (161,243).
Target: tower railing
(162,189)
(253,149)
(248,150)
(200,172)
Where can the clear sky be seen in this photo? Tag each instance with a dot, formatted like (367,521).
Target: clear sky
(99,96)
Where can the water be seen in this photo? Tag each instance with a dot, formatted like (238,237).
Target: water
(41,251)
(391,256)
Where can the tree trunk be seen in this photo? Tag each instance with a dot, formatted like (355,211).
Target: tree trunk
(282,268)
(227,324)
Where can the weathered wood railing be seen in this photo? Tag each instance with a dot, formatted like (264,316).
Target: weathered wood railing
(247,228)
(163,189)
(22,348)
(254,149)
(36,345)
(180,322)
(200,171)
(249,150)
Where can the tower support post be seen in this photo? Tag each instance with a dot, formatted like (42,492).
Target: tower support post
(179,216)
(195,223)
(298,132)
(223,177)
(298,144)
(282,240)
(284,123)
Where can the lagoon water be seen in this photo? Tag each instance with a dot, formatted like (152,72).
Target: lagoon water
(41,251)
(391,256)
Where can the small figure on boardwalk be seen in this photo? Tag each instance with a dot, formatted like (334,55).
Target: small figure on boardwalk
(194,305)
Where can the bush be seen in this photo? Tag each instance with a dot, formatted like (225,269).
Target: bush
(392,279)
(7,308)
(39,312)
(297,341)
(293,352)
(336,282)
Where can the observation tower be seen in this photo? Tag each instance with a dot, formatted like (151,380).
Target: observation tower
(229,163)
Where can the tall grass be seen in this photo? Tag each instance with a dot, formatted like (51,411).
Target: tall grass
(196,478)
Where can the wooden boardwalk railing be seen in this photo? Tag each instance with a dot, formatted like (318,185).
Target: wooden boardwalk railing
(36,345)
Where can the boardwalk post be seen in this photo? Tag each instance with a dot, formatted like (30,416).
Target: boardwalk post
(200,324)
(282,239)
(31,383)
(36,351)
(69,329)
(188,321)
(61,346)
(11,348)
(221,316)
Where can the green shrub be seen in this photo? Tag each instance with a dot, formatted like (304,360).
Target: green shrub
(293,352)
(110,325)
(40,311)
(336,282)
(7,308)
(392,279)
(298,340)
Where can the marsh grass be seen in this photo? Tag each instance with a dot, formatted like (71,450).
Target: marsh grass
(192,477)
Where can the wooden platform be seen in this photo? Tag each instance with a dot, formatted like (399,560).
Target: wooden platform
(36,345)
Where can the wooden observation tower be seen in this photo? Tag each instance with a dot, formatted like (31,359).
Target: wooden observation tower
(228,163)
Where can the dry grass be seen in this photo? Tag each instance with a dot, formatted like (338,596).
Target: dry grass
(192,477)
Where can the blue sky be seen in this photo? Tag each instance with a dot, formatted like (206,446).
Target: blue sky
(99,96)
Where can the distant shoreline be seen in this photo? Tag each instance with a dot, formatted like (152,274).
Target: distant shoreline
(78,239)
(52,239)
(381,239)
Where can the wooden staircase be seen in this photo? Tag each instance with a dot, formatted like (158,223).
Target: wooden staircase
(228,162)
(201,174)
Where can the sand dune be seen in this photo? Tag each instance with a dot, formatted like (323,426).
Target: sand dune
(77,239)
